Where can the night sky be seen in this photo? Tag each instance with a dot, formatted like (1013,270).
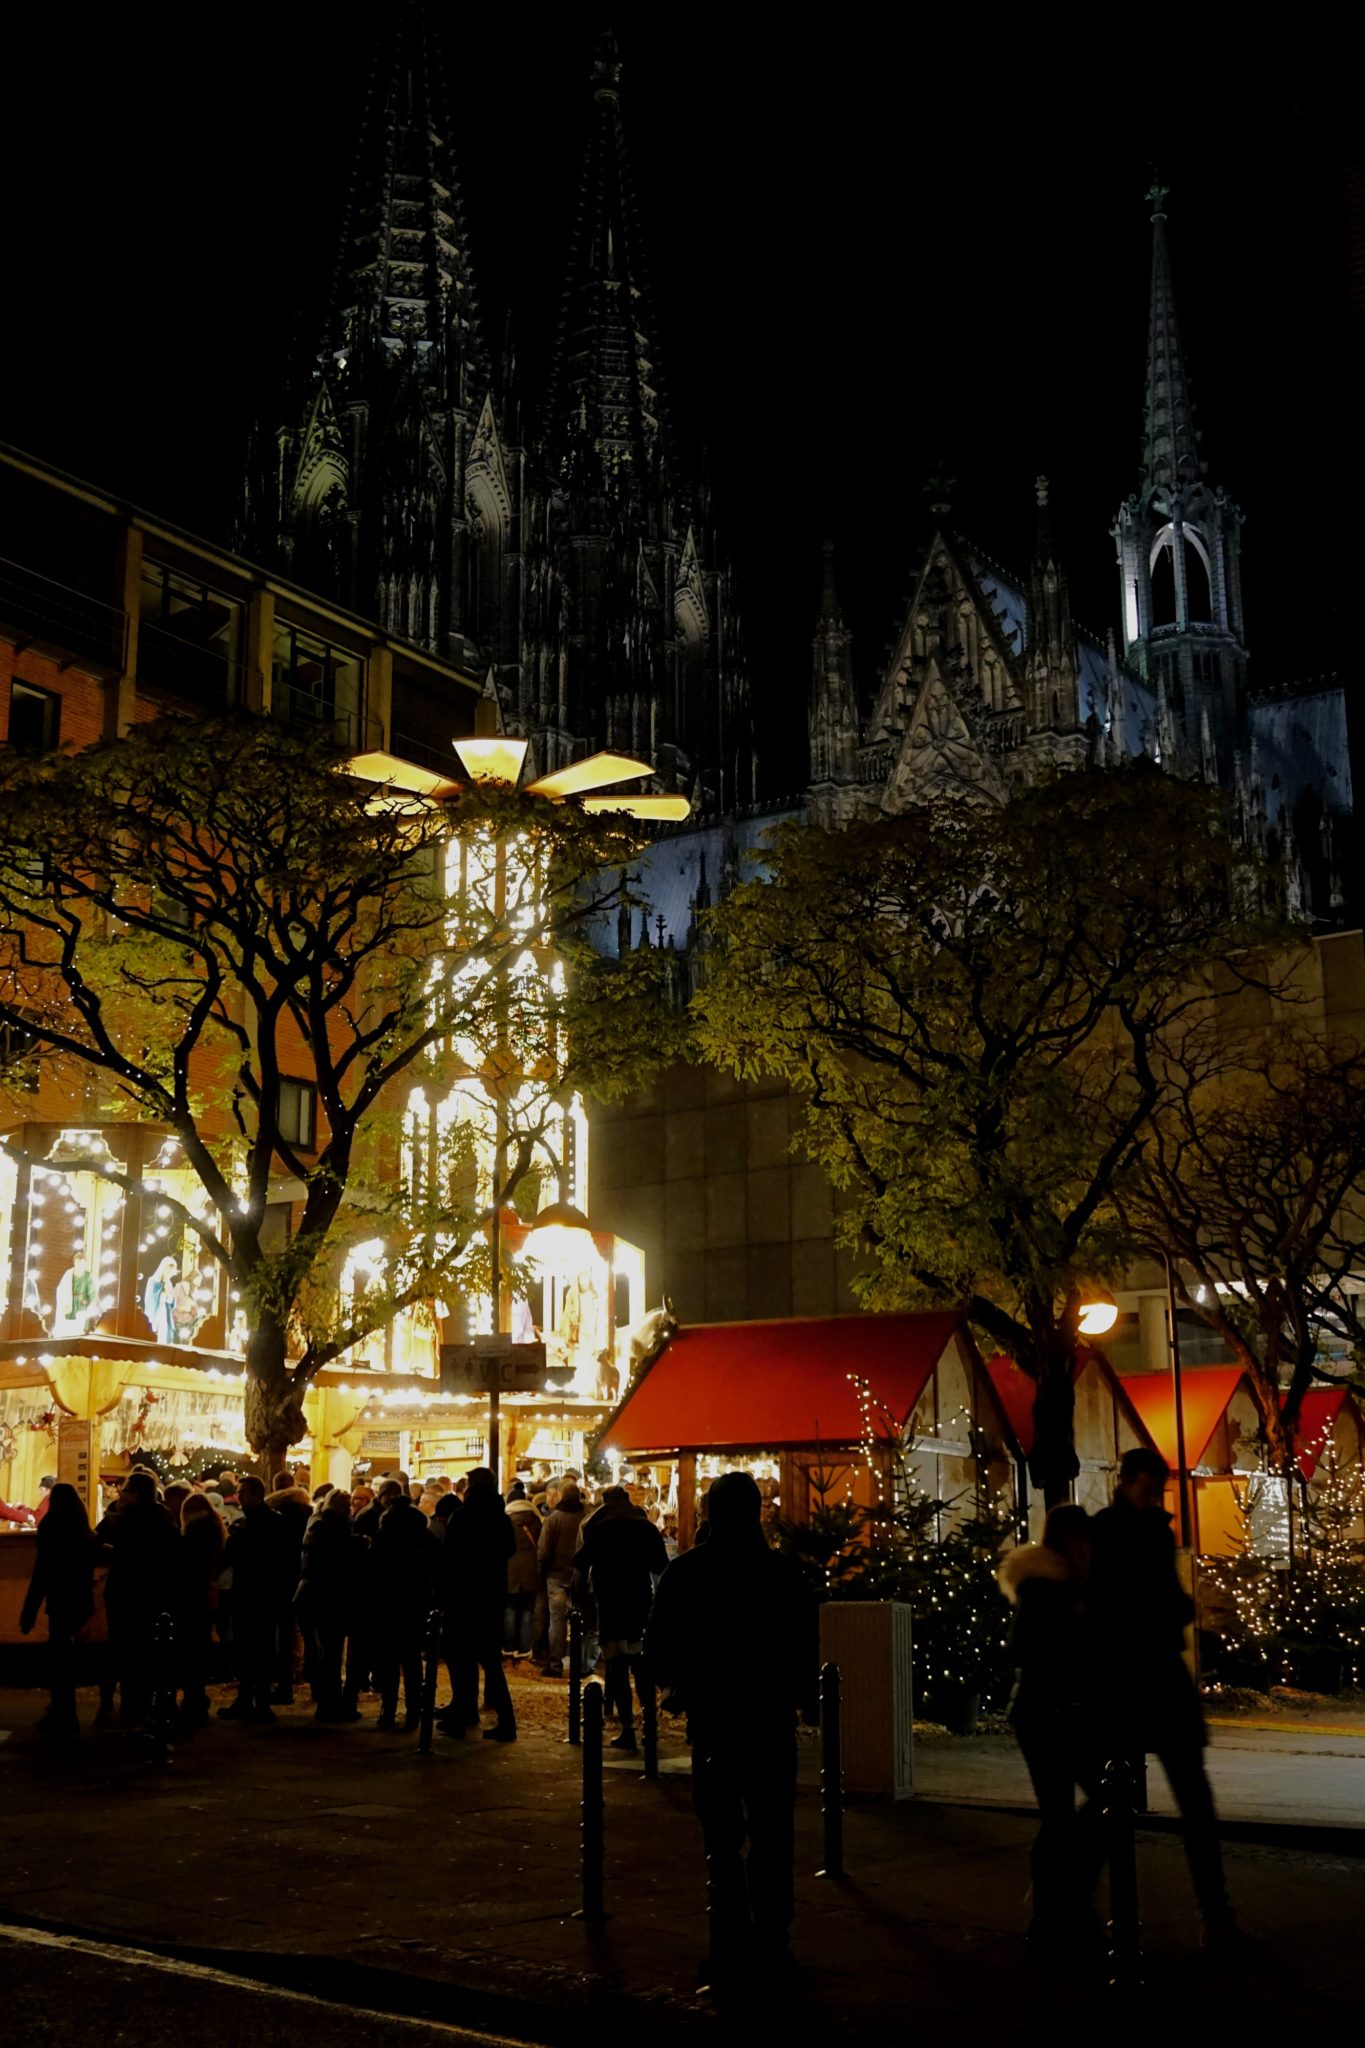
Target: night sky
(875,245)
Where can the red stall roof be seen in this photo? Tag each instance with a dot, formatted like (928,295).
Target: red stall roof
(1317,1418)
(1206,1391)
(779,1385)
(1016,1390)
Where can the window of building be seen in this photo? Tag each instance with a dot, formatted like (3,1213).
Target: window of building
(298,1112)
(35,718)
(189,636)
(317,683)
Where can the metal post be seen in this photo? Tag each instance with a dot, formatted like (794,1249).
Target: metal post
(1125,1928)
(435,1623)
(594,1807)
(575,1672)
(831,1772)
(649,1718)
(1186,1518)
(163,1689)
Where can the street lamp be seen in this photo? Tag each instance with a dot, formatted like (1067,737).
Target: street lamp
(1098,1314)
(560,1238)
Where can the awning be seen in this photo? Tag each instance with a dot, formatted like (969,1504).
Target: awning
(1206,1391)
(780,1385)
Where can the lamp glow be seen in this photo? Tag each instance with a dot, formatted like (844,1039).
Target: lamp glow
(668,807)
(492,757)
(1098,1314)
(598,771)
(560,1238)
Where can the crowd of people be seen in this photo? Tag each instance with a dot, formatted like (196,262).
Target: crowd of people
(335,1591)
(1099,1648)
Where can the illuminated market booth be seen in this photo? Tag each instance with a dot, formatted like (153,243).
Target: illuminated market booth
(827,1409)
(1233,1498)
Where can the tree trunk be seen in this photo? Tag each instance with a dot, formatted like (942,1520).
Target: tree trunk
(273,1407)
(1053,1464)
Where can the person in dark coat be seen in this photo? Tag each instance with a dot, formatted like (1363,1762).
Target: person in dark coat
(479,1542)
(63,1581)
(621,1555)
(199,1561)
(295,1509)
(1139,1612)
(402,1558)
(1052,1712)
(734,1636)
(260,1555)
(558,1543)
(328,1588)
(142,1544)
(523,1575)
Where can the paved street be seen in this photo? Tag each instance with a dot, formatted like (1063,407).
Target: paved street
(338,1861)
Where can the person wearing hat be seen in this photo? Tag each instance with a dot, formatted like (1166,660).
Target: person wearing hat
(620,1556)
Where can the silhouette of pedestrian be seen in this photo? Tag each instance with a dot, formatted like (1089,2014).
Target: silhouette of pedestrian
(1053,1715)
(734,1636)
(479,1541)
(622,1554)
(295,1509)
(1138,1613)
(558,1542)
(401,1561)
(199,1561)
(328,1588)
(523,1575)
(142,1544)
(63,1580)
(259,1554)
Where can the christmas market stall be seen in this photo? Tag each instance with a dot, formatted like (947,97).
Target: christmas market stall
(1331,1455)
(1233,1500)
(821,1410)
(1106,1424)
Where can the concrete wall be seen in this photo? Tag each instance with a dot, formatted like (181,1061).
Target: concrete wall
(698,1172)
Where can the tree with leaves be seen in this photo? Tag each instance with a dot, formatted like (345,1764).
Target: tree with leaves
(971,1003)
(1252,1182)
(193,914)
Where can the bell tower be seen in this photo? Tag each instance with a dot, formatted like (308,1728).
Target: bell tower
(1179,553)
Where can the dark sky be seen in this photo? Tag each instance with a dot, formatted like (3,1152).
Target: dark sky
(875,242)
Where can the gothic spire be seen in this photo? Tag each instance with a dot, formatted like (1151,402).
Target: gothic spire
(604,385)
(1170,455)
(403,289)
(830,614)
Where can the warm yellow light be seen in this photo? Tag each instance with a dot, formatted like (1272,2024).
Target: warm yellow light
(394,774)
(1098,1314)
(671,808)
(492,758)
(599,771)
(560,1239)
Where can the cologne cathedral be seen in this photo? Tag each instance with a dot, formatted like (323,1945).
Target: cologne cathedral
(557,550)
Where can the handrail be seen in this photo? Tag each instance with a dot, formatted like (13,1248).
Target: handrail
(72,624)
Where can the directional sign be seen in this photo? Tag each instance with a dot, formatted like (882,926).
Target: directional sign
(493,1365)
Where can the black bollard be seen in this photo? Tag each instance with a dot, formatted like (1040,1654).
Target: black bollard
(575,1673)
(163,1689)
(594,1807)
(649,1718)
(831,1772)
(435,1624)
(1125,1929)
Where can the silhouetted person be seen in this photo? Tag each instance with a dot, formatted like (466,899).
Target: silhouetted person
(1138,1613)
(473,1565)
(63,1581)
(143,1547)
(401,1562)
(622,1553)
(259,1554)
(328,1588)
(1053,1714)
(523,1575)
(735,1637)
(295,1509)
(558,1542)
(199,1561)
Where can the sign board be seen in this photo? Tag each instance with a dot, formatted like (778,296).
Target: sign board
(75,1459)
(493,1365)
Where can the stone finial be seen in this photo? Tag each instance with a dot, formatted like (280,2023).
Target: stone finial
(1040,491)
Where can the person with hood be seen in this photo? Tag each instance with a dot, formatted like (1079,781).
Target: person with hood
(401,1560)
(63,1581)
(621,1555)
(325,1601)
(199,1561)
(473,1563)
(259,1553)
(523,1575)
(734,1638)
(142,1545)
(1052,1713)
(1139,1612)
(294,1506)
(555,1554)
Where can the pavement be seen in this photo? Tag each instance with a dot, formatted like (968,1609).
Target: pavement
(305,1863)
